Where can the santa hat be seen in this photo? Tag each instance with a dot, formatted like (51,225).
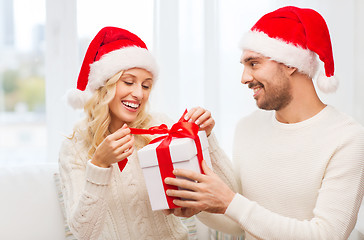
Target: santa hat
(295,36)
(112,50)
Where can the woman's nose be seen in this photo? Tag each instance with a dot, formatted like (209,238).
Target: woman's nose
(137,91)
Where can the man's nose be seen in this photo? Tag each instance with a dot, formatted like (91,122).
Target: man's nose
(246,77)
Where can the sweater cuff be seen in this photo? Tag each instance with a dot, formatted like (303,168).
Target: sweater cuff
(239,208)
(97,178)
(213,143)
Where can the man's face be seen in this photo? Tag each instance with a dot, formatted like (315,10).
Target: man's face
(268,80)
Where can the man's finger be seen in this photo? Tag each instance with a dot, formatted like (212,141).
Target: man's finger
(184,173)
(184,194)
(186,203)
(167,211)
(181,183)
(206,169)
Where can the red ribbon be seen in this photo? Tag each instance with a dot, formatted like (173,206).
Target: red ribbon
(181,129)
(162,129)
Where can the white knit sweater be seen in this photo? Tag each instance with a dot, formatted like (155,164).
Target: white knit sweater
(298,181)
(103,203)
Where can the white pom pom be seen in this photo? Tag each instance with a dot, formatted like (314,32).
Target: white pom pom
(77,98)
(327,84)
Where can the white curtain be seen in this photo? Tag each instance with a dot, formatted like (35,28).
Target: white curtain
(61,71)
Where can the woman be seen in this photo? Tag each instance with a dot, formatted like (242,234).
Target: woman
(116,78)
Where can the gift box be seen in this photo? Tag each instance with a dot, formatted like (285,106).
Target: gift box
(183,155)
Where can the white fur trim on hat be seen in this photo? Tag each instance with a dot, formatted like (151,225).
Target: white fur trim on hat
(77,98)
(121,59)
(279,50)
(327,84)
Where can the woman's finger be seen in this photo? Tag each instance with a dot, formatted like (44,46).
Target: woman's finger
(125,154)
(207,123)
(196,114)
(125,146)
(123,140)
(190,113)
(206,115)
(120,133)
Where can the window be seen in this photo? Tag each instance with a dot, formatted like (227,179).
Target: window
(22,81)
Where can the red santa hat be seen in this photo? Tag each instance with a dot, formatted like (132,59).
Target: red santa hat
(112,50)
(295,36)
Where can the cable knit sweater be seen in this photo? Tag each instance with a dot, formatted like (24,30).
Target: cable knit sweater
(103,203)
(298,181)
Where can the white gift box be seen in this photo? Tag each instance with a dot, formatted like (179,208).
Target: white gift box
(184,156)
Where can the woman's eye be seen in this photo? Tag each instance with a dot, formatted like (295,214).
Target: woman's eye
(146,86)
(128,83)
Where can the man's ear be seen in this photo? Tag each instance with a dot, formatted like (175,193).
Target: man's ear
(290,70)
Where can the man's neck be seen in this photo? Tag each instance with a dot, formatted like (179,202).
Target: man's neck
(305,102)
(295,114)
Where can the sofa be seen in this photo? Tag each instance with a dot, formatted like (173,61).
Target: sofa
(30,207)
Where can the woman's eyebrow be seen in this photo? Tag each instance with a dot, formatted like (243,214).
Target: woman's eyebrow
(127,75)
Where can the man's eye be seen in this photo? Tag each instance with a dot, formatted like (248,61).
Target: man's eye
(253,64)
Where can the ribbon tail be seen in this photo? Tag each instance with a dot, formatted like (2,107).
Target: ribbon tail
(122,164)
(166,168)
(182,119)
(199,153)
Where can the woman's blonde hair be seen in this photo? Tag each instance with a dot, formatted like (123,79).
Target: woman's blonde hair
(98,117)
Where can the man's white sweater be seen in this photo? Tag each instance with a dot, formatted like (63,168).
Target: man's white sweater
(298,181)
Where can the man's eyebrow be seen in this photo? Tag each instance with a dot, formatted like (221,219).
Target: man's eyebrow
(248,59)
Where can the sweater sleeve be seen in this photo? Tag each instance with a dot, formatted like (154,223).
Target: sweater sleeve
(336,208)
(85,188)
(222,166)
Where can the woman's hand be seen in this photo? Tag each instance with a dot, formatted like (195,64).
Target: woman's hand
(115,148)
(202,118)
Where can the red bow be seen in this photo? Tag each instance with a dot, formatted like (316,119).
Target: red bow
(181,129)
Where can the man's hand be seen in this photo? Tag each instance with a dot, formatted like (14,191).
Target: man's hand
(181,212)
(207,192)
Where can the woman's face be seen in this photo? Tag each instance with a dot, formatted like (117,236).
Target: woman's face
(132,93)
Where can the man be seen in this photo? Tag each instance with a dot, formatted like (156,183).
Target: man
(300,164)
